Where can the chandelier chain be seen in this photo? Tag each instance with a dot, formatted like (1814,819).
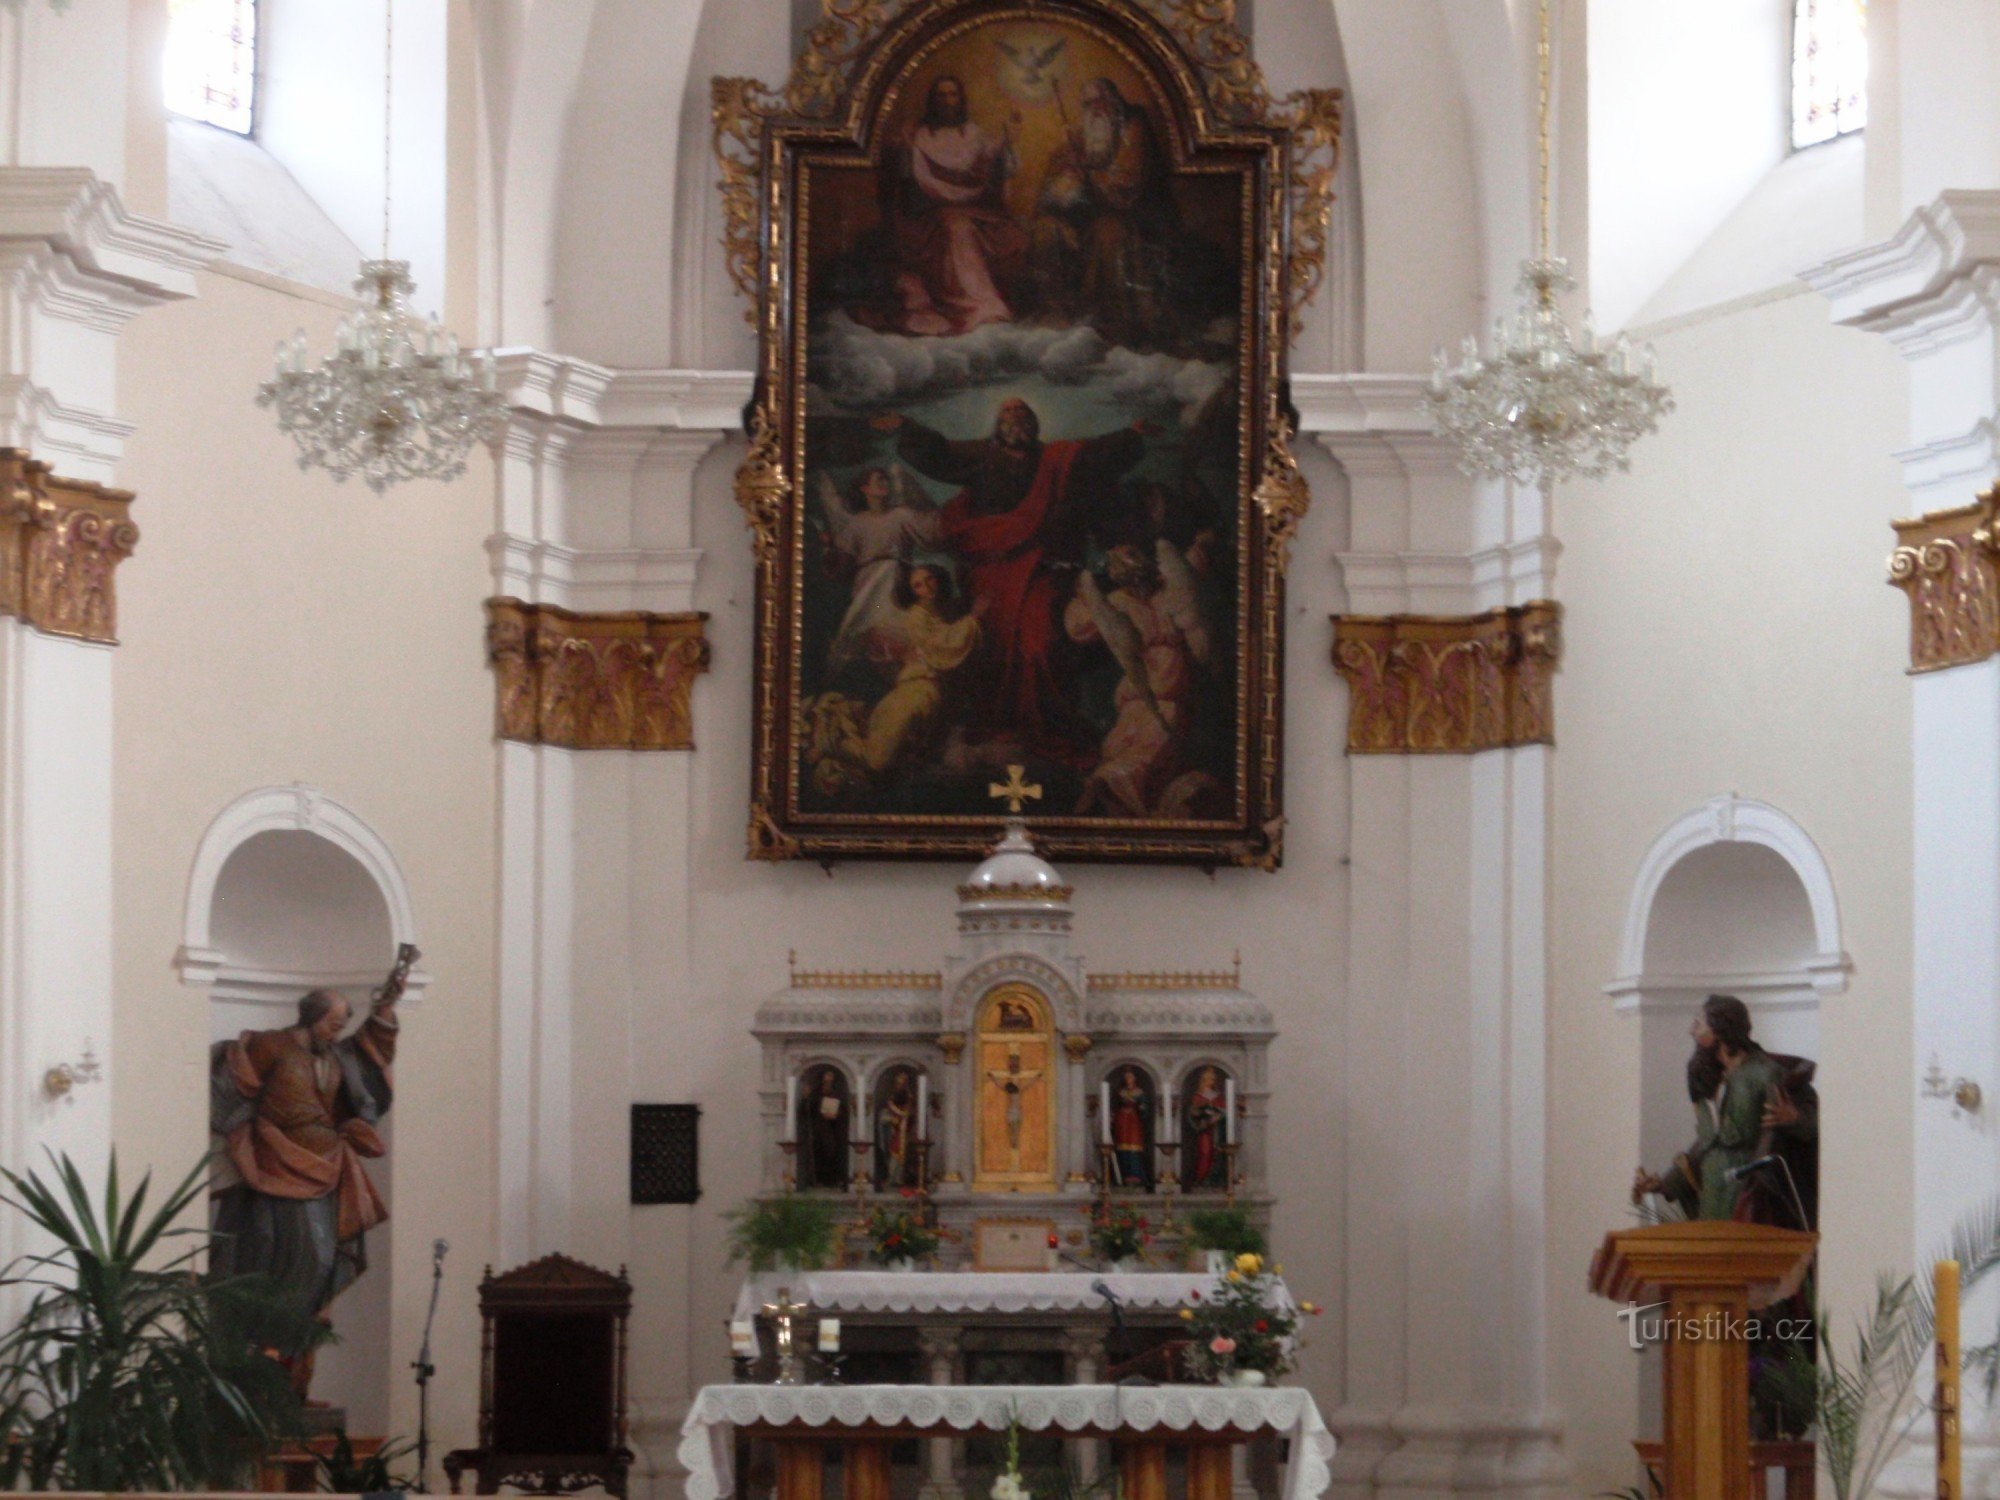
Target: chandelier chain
(389,108)
(1542,118)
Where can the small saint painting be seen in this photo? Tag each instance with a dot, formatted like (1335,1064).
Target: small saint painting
(822,1129)
(898,1129)
(1206,1129)
(1021,384)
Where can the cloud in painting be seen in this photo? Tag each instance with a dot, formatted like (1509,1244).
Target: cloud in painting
(869,368)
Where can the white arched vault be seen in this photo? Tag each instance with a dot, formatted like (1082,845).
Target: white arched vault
(1818,966)
(205,960)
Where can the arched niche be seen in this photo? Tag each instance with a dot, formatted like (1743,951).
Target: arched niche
(289,892)
(1734,898)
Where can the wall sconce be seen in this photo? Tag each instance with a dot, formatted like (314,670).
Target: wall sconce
(61,1080)
(1962,1092)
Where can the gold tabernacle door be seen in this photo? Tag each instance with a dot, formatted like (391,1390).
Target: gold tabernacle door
(1016,1140)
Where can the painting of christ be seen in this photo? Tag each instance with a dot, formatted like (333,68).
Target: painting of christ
(1029,396)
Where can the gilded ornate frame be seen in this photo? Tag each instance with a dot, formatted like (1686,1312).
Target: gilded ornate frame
(853,60)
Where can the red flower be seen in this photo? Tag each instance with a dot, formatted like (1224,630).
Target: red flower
(1194,1296)
(1052,1240)
(1261,1326)
(894,1239)
(908,1192)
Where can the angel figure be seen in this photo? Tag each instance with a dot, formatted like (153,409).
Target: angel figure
(874,526)
(1152,624)
(931,638)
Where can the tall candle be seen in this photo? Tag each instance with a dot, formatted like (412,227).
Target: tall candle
(1104,1112)
(1229,1111)
(743,1338)
(788,1127)
(1949,1459)
(829,1335)
(860,1124)
(1169,1131)
(923,1106)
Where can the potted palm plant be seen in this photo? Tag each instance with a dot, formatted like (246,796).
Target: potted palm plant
(127,1369)
(1219,1235)
(792,1232)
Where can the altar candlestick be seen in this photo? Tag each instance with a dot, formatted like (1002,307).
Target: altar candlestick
(829,1335)
(1229,1111)
(923,1106)
(1950,1461)
(743,1338)
(1104,1113)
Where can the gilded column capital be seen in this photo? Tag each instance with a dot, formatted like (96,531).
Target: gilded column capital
(614,681)
(1948,563)
(1450,684)
(61,541)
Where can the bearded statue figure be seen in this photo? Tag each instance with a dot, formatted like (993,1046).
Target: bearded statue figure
(296,1111)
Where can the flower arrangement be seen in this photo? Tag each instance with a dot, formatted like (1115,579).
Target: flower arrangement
(1008,1484)
(900,1233)
(1119,1232)
(1241,1328)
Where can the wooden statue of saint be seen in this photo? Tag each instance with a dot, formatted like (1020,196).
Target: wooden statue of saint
(296,1110)
(823,1131)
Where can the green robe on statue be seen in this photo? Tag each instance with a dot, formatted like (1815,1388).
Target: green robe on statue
(1729,1130)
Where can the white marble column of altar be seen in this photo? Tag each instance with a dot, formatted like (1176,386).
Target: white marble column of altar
(75,267)
(594,513)
(1445,1386)
(1933,290)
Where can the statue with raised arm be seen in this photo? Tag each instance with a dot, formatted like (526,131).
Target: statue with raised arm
(296,1110)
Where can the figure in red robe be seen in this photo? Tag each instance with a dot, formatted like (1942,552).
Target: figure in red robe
(1018,528)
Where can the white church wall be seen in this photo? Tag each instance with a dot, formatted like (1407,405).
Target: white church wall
(1727,628)
(275,629)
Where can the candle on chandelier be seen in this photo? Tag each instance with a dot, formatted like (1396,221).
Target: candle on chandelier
(1104,1112)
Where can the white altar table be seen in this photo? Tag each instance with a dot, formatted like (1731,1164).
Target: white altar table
(924,1293)
(1141,1421)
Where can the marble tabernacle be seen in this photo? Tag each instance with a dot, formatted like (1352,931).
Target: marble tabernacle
(1013,1087)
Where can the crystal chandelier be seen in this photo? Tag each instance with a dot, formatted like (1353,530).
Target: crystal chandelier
(1541,407)
(396,399)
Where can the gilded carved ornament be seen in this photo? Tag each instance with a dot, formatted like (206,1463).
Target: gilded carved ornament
(613,681)
(1948,563)
(1450,684)
(61,541)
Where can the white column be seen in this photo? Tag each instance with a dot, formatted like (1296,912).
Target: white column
(1933,290)
(1446,1382)
(75,267)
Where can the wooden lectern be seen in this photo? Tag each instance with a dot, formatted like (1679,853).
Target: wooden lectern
(1711,1275)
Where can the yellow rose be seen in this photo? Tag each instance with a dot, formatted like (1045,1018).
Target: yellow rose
(1233,1276)
(1187,1315)
(1278,1270)
(1249,1264)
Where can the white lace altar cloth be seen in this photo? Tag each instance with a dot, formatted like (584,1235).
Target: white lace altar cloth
(979,1291)
(707,1440)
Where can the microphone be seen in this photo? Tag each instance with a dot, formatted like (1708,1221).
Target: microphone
(1737,1174)
(439,1249)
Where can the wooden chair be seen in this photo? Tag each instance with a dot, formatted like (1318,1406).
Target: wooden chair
(551,1382)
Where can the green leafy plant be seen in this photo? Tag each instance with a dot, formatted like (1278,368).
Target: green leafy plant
(900,1234)
(125,1375)
(1227,1230)
(793,1231)
(1242,1325)
(1864,1398)
(341,1473)
(1119,1232)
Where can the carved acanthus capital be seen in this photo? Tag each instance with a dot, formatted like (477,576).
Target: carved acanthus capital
(952,1045)
(61,541)
(615,681)
(1077,1045)
(1450,684)
(1948,562)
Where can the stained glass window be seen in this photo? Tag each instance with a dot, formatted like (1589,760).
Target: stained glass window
(1829,69)
(212,61)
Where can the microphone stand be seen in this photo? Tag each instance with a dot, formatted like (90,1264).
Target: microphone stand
(425,1370)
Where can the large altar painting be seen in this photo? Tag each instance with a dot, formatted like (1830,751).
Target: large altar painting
(1019,473)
